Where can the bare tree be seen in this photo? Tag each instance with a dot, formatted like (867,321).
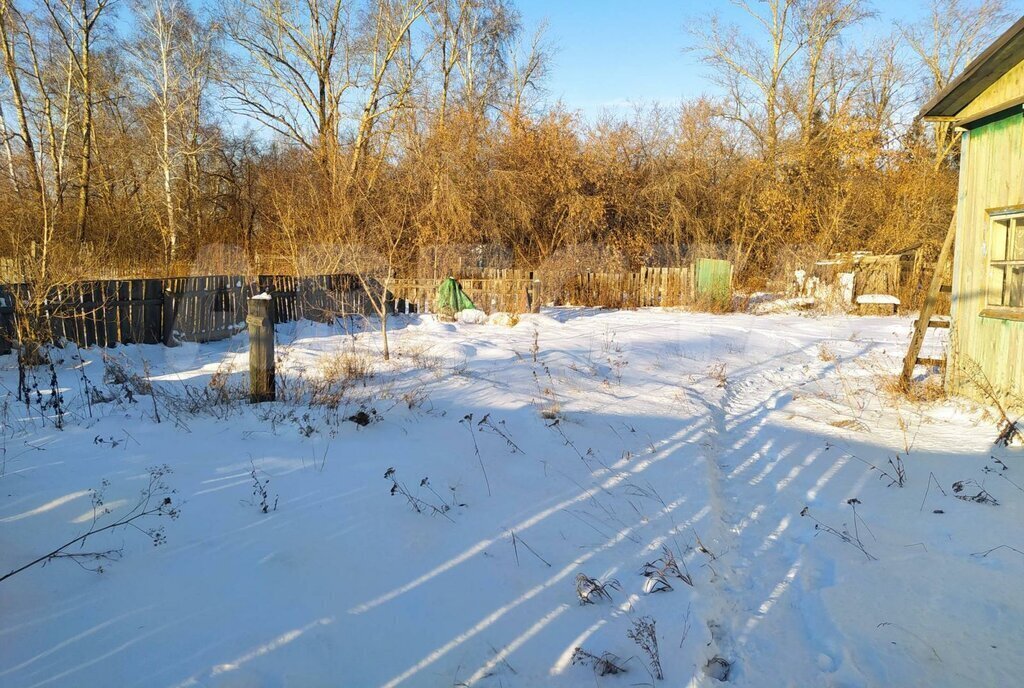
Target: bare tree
(753,68)
(6,136)
(488,45)
(821,25)
(295,68)
(387,32)
(10,20)
(75,21)
(952,34)
(528,66)
(883,91)
(476,42)
(171,64)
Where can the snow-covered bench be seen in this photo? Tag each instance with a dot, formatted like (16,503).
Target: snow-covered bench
(878,302)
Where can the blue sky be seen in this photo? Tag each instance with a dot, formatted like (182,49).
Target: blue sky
(612,52)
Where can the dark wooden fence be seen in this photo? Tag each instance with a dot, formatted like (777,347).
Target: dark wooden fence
(6,320)
(160,311)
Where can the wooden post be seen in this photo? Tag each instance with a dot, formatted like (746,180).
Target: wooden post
(260,322)
(535,295)
(6,321)
(110,313)
(170,314)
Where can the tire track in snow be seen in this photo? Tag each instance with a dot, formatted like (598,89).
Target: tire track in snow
(758,567)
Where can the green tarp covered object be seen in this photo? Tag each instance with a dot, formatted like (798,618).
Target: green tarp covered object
(451,299)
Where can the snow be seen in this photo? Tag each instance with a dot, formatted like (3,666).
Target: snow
(471,316)
(878,299)
(603,437)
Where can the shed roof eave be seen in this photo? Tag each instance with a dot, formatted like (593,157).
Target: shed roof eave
(1004,53)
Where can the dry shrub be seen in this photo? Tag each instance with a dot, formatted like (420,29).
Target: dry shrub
(715,304)
(928,391)
(115,373)
(220,397)
(462,260)
(422,355)
(347,368)
(716,372)
(561,273)
(217,259)
(220,384)
(338,373)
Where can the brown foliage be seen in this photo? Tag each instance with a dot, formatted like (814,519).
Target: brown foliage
(456,163)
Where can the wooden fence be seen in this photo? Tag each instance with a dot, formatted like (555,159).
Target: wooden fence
(212,307)
(153,311)
(502,295)
(665,287)
(902,274)
(520,291)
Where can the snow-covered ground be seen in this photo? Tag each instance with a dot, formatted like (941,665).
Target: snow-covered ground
(604,439)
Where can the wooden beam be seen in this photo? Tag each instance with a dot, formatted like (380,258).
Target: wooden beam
(941,324)
(1003,313)
(966,122)
(1005,210)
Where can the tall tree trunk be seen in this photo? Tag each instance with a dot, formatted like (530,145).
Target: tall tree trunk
(172,228)
(171,233)
(7,150)
(11,69)
(85,169)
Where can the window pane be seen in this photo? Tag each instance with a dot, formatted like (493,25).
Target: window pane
(1015,288)
(1000,233)
(1006,244)
(1015,240)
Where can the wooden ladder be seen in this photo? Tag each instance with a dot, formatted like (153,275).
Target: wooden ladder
(926,320)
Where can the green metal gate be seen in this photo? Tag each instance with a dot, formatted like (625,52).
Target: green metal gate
(713,279)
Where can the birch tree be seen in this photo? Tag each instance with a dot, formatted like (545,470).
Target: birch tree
(10,22)
(821,25)
(171,62)
(388,30)
(76,21)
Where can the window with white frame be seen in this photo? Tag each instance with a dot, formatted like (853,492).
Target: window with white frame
(1006,262)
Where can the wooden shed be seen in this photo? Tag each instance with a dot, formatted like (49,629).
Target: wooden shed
(986,105)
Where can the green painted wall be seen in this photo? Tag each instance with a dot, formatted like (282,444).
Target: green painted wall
(986,352)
